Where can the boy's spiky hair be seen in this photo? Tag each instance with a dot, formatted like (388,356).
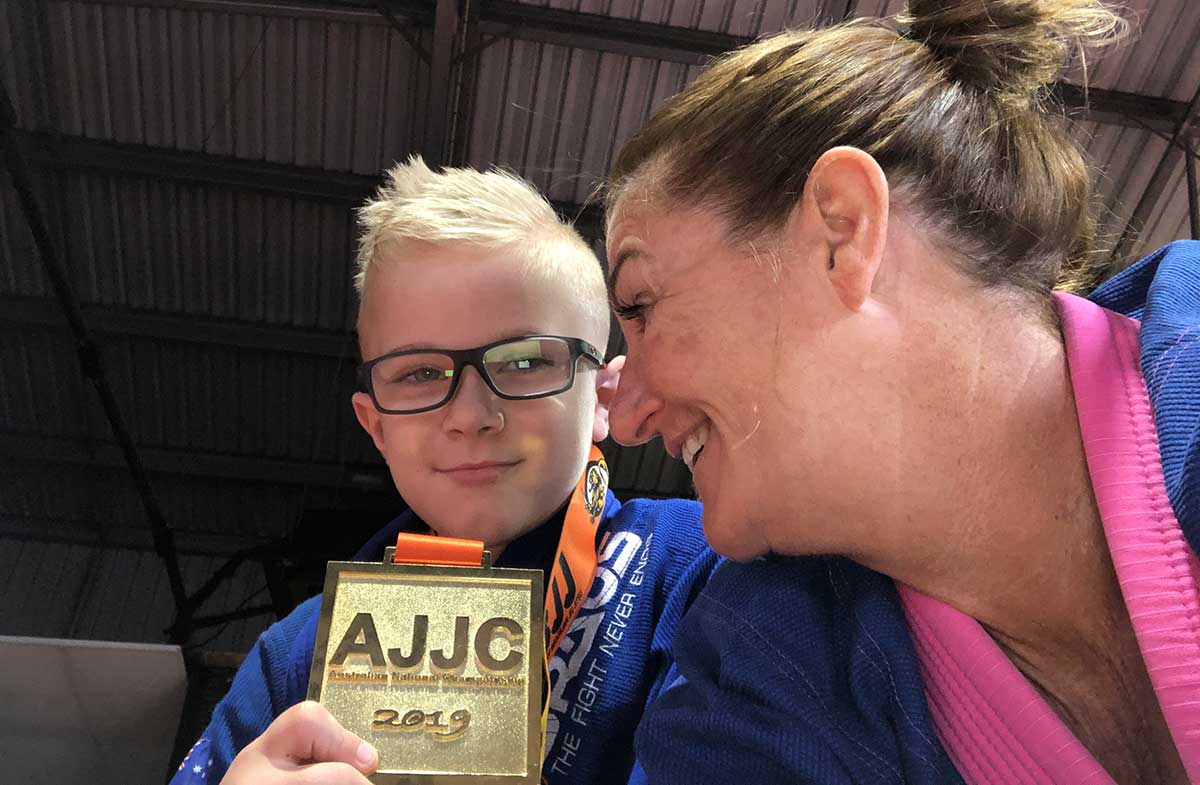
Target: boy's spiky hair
(493,210)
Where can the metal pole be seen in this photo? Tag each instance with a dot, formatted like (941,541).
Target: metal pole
(437,120)
(1193,196)
(465,77)
(90,360)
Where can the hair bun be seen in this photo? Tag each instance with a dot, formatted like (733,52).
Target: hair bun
(1008,48)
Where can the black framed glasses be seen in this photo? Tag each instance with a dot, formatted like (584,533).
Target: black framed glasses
(516,369)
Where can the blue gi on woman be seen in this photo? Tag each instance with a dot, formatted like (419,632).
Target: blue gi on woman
(843,260)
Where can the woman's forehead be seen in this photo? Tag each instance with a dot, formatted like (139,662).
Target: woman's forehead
(637,199)
(656,224)
(654,245)
(626,213)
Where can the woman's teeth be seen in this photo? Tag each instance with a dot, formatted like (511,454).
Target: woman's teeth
(692,446)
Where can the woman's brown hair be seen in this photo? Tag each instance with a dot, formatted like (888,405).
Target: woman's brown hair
(952,105)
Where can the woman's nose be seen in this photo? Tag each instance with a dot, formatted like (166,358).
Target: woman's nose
(631,416)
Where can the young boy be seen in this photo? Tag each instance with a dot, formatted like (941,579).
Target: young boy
(489,446)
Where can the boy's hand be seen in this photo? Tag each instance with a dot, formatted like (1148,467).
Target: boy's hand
(304,746)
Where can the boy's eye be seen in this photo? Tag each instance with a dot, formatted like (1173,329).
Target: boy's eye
(420,376)
(530,358)
(527,364)
(524,365)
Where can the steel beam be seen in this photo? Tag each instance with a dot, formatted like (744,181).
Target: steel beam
(32,448)
(1177,149)
(685,45)
(76,153)
(604,33)
(835,11)
(467,73)
(635,38)
(1116,107)
(436,147)
(107,320)
(75,531)
(200,622)
(79,153)
(354,11)
(37,39)
(36,448)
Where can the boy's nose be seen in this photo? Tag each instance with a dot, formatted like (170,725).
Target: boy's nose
(633,410)
(474,407)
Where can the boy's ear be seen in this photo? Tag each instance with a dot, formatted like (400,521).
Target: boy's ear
(369,418)
(607,379)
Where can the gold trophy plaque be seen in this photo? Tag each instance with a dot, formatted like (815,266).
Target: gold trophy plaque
(439,667)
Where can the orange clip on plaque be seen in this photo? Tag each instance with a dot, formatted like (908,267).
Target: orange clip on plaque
(435,658)
(446,551)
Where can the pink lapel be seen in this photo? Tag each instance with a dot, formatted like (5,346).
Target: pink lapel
(994,725)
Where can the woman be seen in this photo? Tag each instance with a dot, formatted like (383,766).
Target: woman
(833,258)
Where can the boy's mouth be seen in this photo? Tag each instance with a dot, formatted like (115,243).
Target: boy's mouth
(477,473)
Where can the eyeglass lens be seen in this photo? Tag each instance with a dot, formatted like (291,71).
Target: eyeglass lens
(522,368)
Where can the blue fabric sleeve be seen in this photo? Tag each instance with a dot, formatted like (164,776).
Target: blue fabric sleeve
(792,671)
(683,592)
(258,695)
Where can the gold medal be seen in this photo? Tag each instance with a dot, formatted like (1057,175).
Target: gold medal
(438,666)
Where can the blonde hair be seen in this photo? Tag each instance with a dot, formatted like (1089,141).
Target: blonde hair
(493,210)
(951,105)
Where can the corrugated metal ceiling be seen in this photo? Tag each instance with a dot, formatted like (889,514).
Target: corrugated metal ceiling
(208,272)
(736,17)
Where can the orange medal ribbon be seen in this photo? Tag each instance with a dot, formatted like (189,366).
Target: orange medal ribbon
(574,563)
(576,559)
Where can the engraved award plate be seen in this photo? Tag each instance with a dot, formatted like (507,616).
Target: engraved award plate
(439,667)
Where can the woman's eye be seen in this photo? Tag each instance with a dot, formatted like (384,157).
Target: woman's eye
(630,312)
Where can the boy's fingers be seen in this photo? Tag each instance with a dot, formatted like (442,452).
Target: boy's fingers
(307,733)
(330,774)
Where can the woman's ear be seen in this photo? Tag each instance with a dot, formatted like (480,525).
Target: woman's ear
(607,379)
(844,210)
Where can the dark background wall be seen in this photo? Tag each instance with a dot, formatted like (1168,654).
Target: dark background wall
(197,162)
